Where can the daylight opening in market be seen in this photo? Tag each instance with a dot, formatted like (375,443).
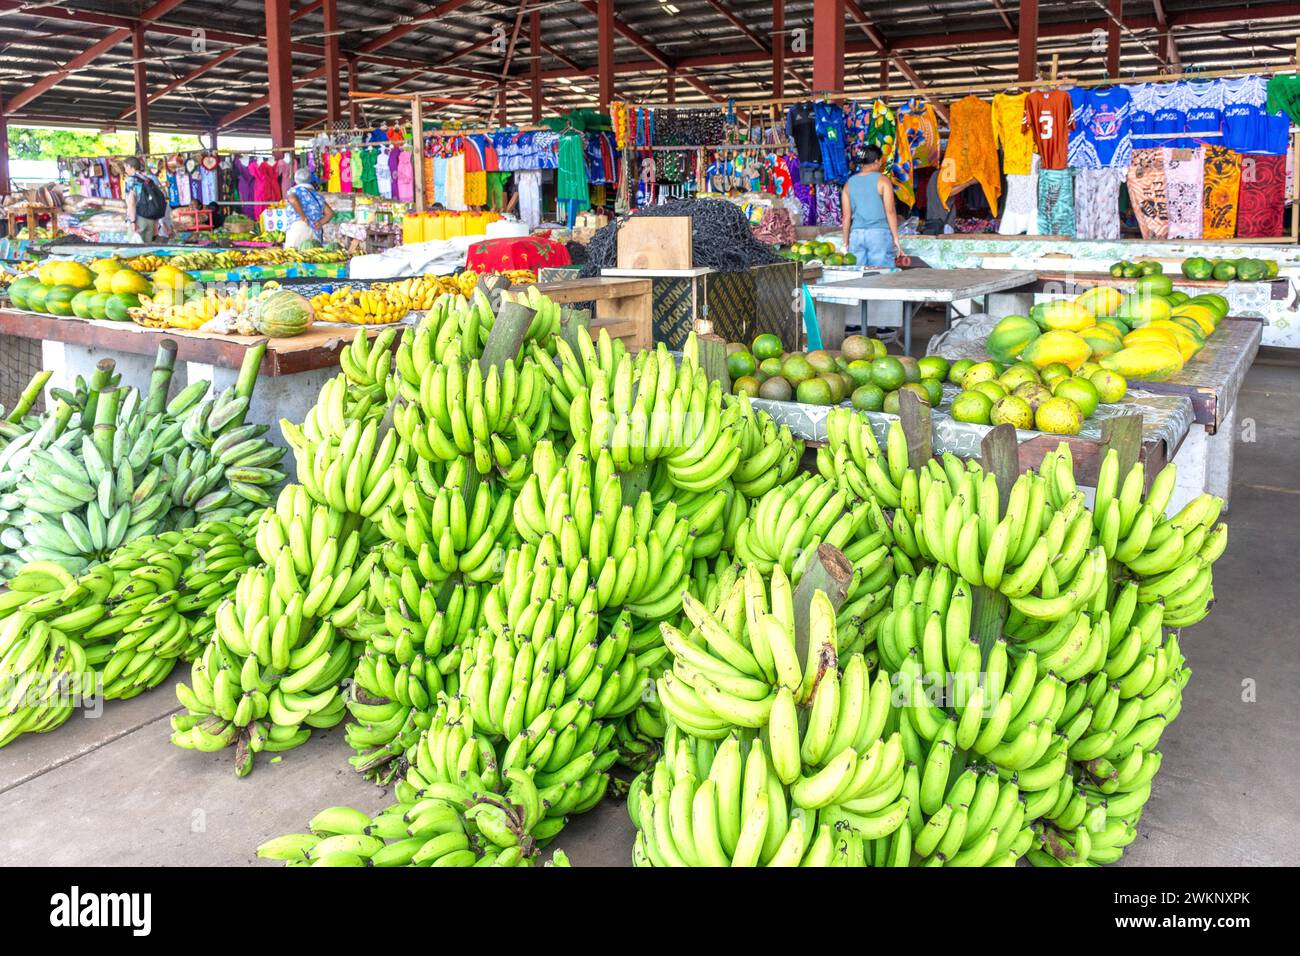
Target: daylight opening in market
(676,433)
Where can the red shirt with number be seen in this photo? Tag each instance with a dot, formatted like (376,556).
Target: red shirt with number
(1047,119)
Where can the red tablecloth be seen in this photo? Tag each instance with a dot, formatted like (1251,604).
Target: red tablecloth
(530,252)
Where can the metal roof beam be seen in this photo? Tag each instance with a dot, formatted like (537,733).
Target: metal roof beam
(397,32)
(755,39)
(180,81)
(632,36)
(85,58)
(1168,45)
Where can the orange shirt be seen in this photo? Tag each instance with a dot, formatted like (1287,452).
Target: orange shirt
(1048,122)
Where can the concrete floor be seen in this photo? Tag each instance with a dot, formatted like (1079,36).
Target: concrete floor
(112,790)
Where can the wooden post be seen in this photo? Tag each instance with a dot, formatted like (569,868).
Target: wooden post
(1123,434)
(333,97)
(828,45)
(1113,39)
(535,67)
(141,76)
(916,417)
(605,52)
(1027,57)
(778,49)
(279,70)
(713,358)
(1000,455)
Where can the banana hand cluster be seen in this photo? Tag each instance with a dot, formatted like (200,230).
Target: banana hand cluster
(461,810)
(163,312)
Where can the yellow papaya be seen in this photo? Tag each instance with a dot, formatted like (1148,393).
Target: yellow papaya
(1067,316)
(1055,346)
(1202,315)
(1102,339)
(1147,334)
(1010,336)
(1150,361)
(1100,301)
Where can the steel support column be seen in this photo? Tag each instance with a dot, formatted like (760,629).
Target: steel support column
(535,67)
(605,52)
(333,96)
(1113,38)
(141,88)
(828,45)
(778,48)
(670,86)
(1028,41)
(279,71)
(4,150)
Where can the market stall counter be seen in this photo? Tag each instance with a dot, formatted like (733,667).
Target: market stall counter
(297,367)
(889,299)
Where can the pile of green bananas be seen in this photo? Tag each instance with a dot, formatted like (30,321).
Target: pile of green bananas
(118,628)
(460,806)
(119,466)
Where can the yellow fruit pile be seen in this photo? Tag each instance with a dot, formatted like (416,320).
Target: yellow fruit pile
(145,263)
(163,311)
(1146,335)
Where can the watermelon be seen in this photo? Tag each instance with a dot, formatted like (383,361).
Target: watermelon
(284,313)
(116,306)
(19,289)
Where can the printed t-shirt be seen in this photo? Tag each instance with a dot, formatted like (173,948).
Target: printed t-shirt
(1047,120)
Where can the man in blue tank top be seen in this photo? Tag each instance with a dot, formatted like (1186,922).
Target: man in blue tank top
(870,220)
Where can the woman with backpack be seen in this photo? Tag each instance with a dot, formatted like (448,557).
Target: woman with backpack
(146,204)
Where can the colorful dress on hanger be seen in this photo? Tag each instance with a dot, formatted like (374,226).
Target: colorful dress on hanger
(455,181)
(1261,198)
(334,183)
(345,172)
(1222,182)
(972,155)
(1009,133)
(266,190)
(475,171)
(1020,216)
(404,188)
(571,182)
(917,122)
(1184,192)
(1283,95)
(1096,202)
(1056,202)
(246,181)
(1146,190)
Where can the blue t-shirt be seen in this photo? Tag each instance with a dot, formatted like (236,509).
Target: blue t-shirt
(1102,134)
(1248,127)
(1158,115)
(1203,108)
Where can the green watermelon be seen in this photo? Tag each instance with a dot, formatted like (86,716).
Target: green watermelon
(117,305)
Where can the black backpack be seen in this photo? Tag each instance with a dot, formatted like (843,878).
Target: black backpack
(151,203)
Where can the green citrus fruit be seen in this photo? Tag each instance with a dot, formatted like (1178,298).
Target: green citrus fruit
(1016,376)
(770,366)
(992,388)
(740,364)
(1053,372)
(888,373)
(1033,394)
(933,366)
(1059,416)
(911,370)
(934,388)
(890,403)
(917,389)
(972,407)
(980,372)
(860,371)
(796,369)
(957,371)
(776,388)
(1080,391)
(1012,410)
(814,391)
(1110,386)
(766,346)
(868,398)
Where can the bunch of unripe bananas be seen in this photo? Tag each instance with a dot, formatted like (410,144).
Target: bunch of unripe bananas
(465,811)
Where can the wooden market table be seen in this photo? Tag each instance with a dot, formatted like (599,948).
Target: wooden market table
(890,298)
(293,369)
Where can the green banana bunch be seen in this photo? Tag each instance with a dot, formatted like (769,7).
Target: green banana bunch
(707,803)
(493,416)
(979,819)
(769,455)
(15,455)
(44,674)
(460,811)
(788,524)
(444,528)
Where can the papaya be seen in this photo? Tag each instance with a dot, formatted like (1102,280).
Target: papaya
(1103,340)
(1100,301)
(1225,270)
(19,290)
(1155,283)
(128,281)
(1201,314)
(1177,298)
(98,303)
(1271,268)
(1146,361)
(1067,316)
(1189,342)
(74,274)
(1139,308)
(1148,334)
(1150,267)
(1115,323)
(1198,267)
(1251,270)
(81,303)
(58,301)
(36,297)
(1037,312)
(116,306)
(1010,336)
(1057,345)
(1215,302)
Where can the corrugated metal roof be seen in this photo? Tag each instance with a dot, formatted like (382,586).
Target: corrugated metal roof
(946,42)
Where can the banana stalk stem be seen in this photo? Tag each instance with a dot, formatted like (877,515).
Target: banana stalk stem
(247,380)
(62,416)
(831,573)
(99,380)
(106,422)
(164,364)
(988,615)
(28,398)
(507,336)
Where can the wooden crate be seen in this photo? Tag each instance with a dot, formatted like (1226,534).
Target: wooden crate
(655,243)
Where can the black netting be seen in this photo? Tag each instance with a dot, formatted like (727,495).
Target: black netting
(720,235)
